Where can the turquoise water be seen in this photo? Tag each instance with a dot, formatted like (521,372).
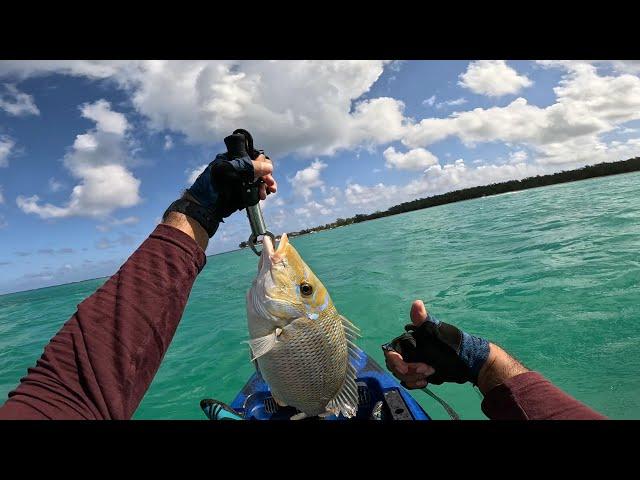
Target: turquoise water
(551,274)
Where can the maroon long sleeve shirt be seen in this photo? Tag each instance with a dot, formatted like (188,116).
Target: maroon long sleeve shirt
(101,362)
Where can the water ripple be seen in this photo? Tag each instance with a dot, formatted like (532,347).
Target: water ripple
(552,274)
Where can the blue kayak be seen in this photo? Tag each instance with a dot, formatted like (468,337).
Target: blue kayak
(381,397)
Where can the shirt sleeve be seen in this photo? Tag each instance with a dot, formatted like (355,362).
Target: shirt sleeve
(103,359)
(530,396)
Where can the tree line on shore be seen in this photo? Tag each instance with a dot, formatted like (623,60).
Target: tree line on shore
(590,171)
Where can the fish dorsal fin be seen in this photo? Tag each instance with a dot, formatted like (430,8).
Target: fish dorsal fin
(346,400)
(350,329)
(352,333)
(261,345)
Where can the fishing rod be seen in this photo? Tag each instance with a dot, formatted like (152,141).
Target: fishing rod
(240,144)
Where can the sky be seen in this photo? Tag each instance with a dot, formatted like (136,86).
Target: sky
(92,152)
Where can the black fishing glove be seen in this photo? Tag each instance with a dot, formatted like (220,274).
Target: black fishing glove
(455,355)
(219,186)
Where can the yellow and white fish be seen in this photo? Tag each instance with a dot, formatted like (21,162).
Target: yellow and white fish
(303,346)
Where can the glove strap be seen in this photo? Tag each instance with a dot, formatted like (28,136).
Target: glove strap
(206,217)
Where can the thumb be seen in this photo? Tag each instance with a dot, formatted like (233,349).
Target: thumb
(418,313)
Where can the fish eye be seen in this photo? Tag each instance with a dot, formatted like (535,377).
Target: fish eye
(306,289)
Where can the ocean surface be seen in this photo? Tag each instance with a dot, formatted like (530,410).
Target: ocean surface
(551,274)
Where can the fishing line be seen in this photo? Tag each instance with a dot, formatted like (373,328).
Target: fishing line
(452,413)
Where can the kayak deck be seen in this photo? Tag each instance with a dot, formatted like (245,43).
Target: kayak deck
(381,397)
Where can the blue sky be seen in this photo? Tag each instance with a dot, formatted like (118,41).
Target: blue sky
(92,152)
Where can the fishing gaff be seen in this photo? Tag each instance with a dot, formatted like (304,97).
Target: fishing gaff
(240,144)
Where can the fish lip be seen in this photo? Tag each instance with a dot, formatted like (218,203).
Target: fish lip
(274,255)
(279,253)
(270,258)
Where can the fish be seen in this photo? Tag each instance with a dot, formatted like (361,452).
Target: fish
(304,349)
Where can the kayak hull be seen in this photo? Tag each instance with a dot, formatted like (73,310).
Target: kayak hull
(381,397)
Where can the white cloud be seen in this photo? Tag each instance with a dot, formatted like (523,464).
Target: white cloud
(518,156)
(568,131)
(314,115)
(440,179)
(396,65)
(95,69)
(436,179)
(98,158)
(451,103)
(6,146)
(107,120)
(493,78)
(618,66)
(192,175)
(304,181)
(106,227)
(17,103)
(429,101)
(370,197)
(331,201)
(416,159)
(376,121)
(626,66)
(54,185)
(319,113)
(313,209)
(168,142)
(587,150)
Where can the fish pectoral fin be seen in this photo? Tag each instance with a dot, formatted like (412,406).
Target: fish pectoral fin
(261,345)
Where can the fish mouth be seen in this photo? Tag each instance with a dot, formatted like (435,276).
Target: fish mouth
(269,251)
(279,253)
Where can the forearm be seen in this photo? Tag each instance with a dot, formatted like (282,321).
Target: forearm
(188,225)
(513,392)
(499,367)
(100,364)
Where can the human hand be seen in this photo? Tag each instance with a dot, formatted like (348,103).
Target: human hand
(219,186)
(434,352)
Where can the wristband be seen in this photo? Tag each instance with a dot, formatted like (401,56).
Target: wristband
(206,217)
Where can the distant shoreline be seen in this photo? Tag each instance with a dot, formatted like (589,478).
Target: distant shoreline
(604,169)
